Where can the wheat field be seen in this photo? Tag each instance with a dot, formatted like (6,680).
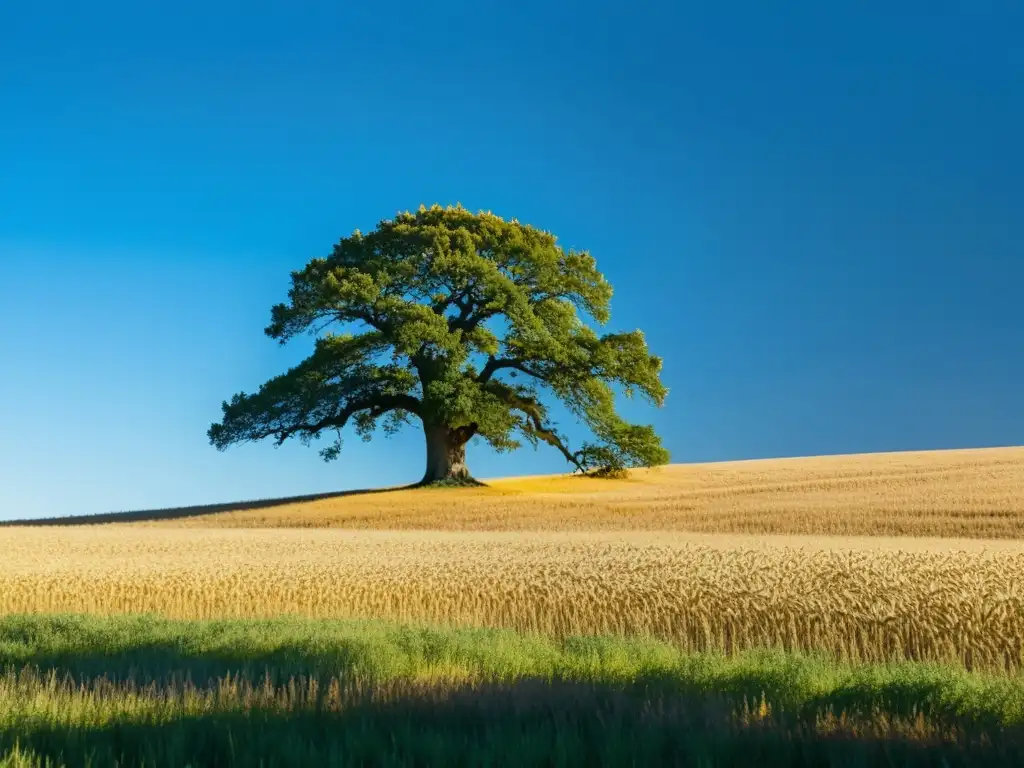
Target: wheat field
(811,554)
(943,601)
(967,493)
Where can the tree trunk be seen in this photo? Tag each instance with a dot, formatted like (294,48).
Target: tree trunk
(446,454)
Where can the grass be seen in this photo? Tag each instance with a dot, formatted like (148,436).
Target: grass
(856,600)
(143,690)
(966,493)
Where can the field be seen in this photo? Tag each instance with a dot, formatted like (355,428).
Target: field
(957,601)
(972,493)
(849,610)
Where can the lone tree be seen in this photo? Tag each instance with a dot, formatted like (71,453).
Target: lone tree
(460,320)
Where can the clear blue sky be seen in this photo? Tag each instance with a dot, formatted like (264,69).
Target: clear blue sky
(815,210)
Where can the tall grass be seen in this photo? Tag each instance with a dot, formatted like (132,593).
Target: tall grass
(142,690)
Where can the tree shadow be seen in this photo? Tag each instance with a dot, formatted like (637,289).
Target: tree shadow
(173,513)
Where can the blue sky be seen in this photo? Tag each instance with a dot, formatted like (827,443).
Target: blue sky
(813,210)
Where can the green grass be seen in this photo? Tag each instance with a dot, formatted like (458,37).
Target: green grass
(149,691)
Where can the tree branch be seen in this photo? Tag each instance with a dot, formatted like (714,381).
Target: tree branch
(471,312)
(467,321)
(552,438)
(533,423)
(495,364)
(463,434)
(378,404)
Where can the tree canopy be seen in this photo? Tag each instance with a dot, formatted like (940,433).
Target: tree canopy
(466,322)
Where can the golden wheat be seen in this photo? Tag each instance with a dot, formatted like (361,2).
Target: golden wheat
(861,599)
(970,493)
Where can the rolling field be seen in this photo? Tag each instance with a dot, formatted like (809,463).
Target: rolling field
(968,493)
(870,569)
(630,558)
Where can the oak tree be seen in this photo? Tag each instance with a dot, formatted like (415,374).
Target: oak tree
(465,322)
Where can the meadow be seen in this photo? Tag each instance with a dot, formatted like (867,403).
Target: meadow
(853,610)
